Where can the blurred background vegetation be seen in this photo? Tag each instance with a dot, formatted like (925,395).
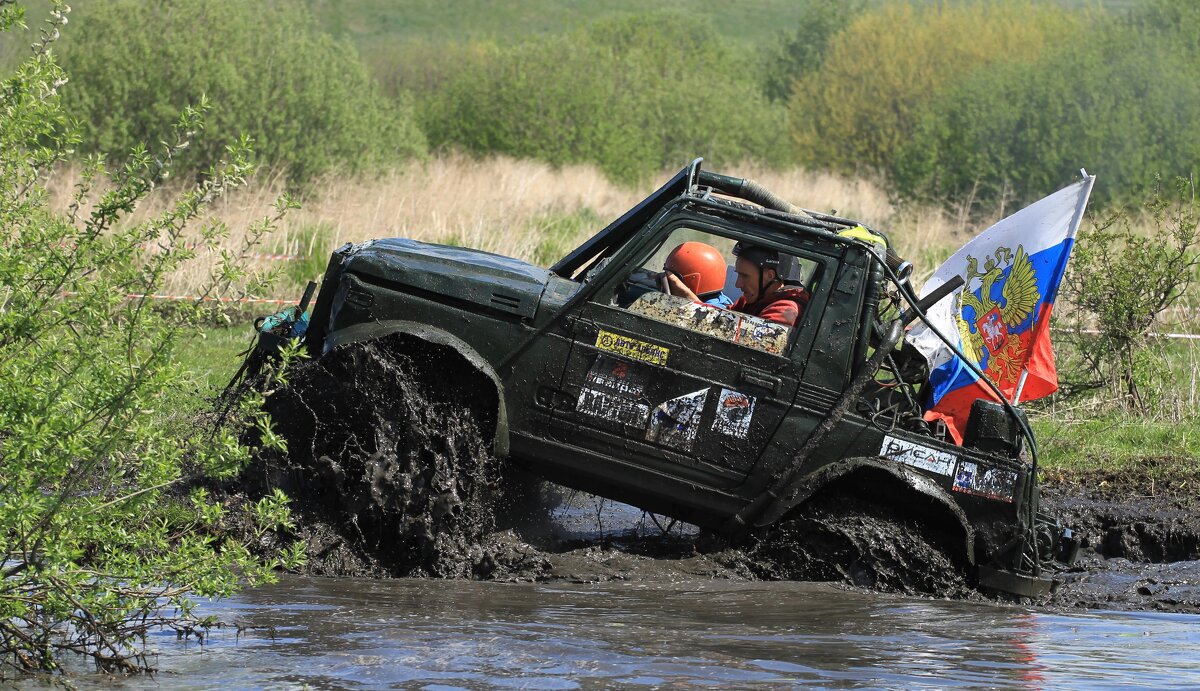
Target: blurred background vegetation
(522,127)
(956,101)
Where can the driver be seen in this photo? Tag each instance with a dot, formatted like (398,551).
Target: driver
(696,271)
(764,277)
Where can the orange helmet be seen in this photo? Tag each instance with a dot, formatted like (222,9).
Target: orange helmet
(701,267)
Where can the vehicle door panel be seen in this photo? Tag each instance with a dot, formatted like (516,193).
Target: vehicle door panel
(672,397)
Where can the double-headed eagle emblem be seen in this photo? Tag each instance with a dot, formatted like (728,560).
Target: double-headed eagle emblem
(992,320)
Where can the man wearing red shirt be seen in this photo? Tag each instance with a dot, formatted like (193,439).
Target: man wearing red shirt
(760,277)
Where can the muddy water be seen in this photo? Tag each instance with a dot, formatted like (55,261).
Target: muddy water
(344,633)
(661,622)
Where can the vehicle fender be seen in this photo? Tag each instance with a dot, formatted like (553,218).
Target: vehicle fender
(442,340)
(870,469)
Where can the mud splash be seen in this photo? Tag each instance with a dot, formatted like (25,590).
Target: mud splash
(388,466)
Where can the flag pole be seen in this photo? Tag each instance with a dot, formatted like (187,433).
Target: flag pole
(1020,385)
(1075,221)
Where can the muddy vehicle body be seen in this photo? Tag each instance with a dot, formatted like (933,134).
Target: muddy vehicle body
(587,376)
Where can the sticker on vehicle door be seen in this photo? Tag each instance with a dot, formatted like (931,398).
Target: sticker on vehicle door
(994,483)
(617,376)
(918,456)
(734,412)
(632,348)
(609,407)
(674,422)
(614,390)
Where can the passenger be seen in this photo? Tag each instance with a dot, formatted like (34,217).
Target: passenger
(696,271)
(766,294)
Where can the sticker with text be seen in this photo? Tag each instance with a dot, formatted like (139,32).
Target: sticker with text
(632,348)
(918,456)
(613,390)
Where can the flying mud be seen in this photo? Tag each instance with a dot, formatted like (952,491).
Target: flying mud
(391,476)
(395,475)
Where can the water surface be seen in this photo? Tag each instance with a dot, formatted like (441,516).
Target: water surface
(343,633)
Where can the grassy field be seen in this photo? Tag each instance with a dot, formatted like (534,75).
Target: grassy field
(519,208)
(212,355)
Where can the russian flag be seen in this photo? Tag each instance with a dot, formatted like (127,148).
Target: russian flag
(1000,317)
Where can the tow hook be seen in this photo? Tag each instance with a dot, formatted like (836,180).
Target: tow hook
(1068,547)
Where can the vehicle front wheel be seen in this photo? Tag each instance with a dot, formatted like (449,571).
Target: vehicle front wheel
(383,443)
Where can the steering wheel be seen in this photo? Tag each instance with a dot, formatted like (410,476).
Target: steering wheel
(639,282)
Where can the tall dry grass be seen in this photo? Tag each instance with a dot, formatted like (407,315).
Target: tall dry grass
(505,206)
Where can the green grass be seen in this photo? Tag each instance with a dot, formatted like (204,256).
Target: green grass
(559,233)
(211,355)
(1155,456)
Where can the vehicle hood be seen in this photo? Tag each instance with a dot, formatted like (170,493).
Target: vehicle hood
(490,280)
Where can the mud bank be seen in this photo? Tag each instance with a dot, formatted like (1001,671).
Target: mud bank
(1140,552)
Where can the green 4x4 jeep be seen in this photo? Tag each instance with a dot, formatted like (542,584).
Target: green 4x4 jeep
(587,376)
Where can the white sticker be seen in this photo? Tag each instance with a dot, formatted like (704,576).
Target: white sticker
(674,422)
(605,405)
(734,412)
(917,456)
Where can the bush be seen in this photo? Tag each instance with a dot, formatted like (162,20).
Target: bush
(1175,20)
(94,424)
(305,98)
(802,51)
(1119,283)
(1122,103)
(865,101)
(632,96)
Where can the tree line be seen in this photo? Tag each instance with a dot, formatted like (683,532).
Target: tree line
(945,100)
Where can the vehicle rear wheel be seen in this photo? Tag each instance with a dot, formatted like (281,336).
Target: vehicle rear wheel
(389,450)
(863,542)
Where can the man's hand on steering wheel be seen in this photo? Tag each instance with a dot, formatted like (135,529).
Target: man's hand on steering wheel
(675,286)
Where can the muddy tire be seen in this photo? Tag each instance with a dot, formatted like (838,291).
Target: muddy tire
(861,542)
(385,443)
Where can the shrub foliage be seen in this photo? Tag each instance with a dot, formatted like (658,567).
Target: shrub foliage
(1121,102)
(1120,282)
(801,50)
(305,98)
(864,102)
(632,95)
(94,435)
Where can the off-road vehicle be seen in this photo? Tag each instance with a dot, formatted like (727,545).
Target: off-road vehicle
(587,374)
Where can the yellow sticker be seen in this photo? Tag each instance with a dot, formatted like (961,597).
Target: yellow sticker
(632,348)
